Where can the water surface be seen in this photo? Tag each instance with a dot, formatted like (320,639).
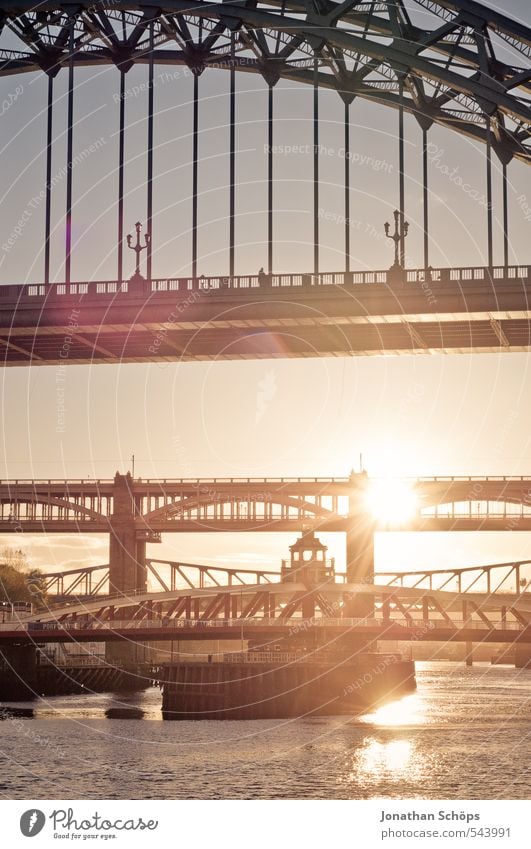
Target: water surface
(465,734)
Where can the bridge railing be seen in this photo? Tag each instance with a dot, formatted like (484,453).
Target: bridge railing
(415,623)
(262,281)
(72,661)
(466,478)
(508,577)
(73,483)
(260,657)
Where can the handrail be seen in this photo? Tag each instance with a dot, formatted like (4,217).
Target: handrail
(74,662)
(72,482)
(155,481)
(220,283)
(292,622)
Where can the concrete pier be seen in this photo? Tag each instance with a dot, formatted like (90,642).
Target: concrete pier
(22,679)
(276,689)
(18,672)
(127,564)
(522,658)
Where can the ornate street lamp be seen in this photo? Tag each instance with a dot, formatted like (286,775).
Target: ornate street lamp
(398,237)
(138,248)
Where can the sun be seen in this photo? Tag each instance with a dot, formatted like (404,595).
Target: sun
(392,502)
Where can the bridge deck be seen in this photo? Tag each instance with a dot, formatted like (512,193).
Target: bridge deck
(451,600)
(267,630)
(299,315)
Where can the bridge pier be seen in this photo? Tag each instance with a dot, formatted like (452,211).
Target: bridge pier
(18,672)
(522,658)
(127,552)
(127,564)
(469,654)
(360,545)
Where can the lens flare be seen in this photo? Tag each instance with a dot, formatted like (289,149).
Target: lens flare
(392,502)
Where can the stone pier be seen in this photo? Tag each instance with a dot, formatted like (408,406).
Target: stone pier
(127,564)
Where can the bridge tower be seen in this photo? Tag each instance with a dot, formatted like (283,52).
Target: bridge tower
(127,550)
(127,564)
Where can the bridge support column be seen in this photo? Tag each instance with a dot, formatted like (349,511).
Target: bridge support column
(360,544)
(127,553)
(127,564)
(522,658)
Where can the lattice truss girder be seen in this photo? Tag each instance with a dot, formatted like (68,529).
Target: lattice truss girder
(456,62)
(450,613)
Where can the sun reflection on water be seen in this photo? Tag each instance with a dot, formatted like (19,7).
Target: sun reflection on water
(377,757)
(403,712)
(388,749)
(378,762)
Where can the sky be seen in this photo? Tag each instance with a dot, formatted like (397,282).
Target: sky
(407,416)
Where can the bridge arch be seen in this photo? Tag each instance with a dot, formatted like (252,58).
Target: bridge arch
(357,50)
(485,490)
(290,507)
(10,509)
(444,62)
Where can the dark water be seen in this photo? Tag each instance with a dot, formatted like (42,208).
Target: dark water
(466,733)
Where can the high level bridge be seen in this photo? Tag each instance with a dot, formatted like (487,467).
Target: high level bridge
(135,511)
(452,63)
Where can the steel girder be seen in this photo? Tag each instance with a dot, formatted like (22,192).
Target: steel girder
(452,62)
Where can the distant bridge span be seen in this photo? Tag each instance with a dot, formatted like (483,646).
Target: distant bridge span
(256,504)
(206,603)
(136,512)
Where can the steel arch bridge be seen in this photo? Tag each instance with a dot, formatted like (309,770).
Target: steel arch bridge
(445,61)
(457,64)
(454,62)
(488,603)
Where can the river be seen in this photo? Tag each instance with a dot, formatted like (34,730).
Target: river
(465,734)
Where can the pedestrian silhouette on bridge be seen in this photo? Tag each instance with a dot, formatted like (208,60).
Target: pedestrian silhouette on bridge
(263,278)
